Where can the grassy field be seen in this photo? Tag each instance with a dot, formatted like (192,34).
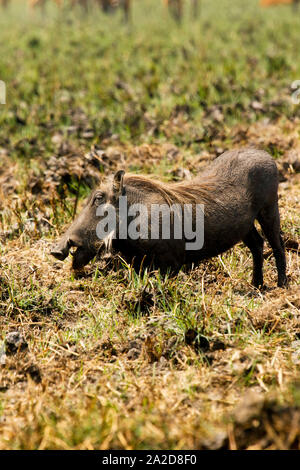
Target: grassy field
(112,360)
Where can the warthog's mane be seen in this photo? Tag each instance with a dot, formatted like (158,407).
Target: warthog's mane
(185,192)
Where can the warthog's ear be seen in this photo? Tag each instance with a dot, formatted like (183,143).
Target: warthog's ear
(118,182)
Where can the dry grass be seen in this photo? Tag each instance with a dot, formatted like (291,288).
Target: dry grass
(109,363)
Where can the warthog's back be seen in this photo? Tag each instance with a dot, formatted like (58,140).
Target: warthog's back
(245,181)
(246,175)
(244,166)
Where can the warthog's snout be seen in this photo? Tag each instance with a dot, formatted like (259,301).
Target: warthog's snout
(81,254)
(59,254)
(62,249)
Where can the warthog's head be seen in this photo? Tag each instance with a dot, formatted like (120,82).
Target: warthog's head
(81,239)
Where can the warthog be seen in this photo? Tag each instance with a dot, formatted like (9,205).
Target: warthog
(238,188)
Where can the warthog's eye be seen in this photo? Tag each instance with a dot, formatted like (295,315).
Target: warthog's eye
(98,199)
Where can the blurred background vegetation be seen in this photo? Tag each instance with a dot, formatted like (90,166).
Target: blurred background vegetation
(236,60)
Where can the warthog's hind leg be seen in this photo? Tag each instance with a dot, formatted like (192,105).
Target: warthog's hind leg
(269,220)
(255,243)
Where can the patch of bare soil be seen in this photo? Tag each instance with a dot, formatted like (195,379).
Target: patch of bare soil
(262,423)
